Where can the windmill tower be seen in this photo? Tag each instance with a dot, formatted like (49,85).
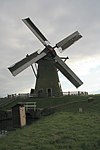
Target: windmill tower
(47,80)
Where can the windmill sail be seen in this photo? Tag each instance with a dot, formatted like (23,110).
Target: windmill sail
(68,41)
(67,72)
(36,31)
(26,62)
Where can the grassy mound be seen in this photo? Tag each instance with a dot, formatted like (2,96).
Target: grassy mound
(60,131)
(67,129)
(42,102)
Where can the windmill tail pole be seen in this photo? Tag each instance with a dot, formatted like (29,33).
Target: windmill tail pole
(33,70)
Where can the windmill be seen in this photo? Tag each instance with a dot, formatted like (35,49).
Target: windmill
(47,80)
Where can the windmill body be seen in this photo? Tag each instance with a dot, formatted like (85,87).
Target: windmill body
(47,80)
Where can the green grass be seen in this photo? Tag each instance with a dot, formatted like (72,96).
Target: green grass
(43,102)
(67,129)
(60,131)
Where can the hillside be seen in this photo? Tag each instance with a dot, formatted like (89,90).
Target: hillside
(64,130)
(43,102)
(60,131)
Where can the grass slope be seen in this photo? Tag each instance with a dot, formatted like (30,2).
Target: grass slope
(60,131)
(42,102)
(67,129)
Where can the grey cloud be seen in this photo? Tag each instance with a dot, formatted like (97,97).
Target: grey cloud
(56,19)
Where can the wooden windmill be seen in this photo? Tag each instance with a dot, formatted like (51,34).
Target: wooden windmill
(47,80)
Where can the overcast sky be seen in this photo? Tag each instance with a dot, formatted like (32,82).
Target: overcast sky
(56,20)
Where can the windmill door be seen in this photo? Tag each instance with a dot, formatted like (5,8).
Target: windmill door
(49,92)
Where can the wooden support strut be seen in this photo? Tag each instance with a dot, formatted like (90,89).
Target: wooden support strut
(32,68)
(64,58)
(34,71)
